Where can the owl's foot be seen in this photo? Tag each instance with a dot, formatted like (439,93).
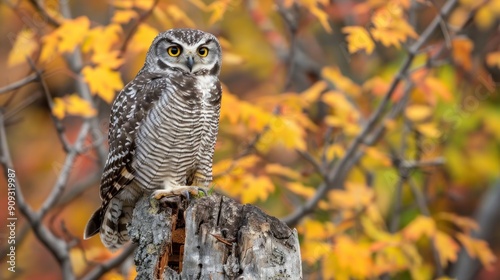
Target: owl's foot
(185,191)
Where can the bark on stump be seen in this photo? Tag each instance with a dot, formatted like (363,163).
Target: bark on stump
(219,239)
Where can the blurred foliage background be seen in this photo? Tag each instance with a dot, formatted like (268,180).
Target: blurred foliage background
(372,126)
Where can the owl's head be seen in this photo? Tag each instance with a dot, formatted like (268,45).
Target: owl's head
(188,51)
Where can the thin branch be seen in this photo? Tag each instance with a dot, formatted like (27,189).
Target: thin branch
(57,122)
(342,167)
(101,269)
(39,6)
(309,158)
(56,246)
(18,84)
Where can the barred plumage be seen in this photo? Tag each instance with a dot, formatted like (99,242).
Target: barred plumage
(163,129)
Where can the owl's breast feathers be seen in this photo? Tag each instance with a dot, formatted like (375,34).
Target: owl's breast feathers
(157,119)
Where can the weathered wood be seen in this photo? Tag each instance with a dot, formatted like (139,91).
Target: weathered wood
(219,239)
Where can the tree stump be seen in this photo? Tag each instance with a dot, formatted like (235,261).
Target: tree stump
(214,238)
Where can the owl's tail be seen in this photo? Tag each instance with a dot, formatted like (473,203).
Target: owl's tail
(93,225)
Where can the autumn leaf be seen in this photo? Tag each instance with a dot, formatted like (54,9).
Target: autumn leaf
(493,59)
(300,189)
(278,169)
(429,129)
(142,38)
(72,105)
(102,81)
(390,28)
(478,248)
(218,8)
(358,39)
(462,52)
(341,82)
(464,223)
(354,257)
(255,188)
(419,227)
(321,15)
(355,196)
(418,113)
(175,13)
(72,32)
(24,46)
(446,247)
(124,16)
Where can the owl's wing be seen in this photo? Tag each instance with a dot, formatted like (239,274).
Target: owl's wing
(127,113)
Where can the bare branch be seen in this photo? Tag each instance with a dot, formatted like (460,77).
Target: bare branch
(39,6)
(17,84)
(103,268)
(56,246)
(342,167)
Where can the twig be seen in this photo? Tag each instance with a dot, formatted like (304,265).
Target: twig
(17,84)
(56,246)
(41,9)
(101,269)
(57,122)
(342,166)
(307,156)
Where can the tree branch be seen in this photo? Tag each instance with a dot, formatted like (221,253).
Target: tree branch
(342,166)
(103,268)
(18,84)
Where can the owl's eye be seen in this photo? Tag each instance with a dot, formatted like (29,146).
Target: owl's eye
(174,51)
(203,51)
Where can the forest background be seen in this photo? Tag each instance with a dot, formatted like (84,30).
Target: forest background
(372,127)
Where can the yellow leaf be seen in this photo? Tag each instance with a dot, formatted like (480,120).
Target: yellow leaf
(230,58)
(101,40)
(358,39)
(341,82)
(477,248)
(484,17)
(418,113)
(493,59)
(355,196)
(72,105)
(256,188)
(110,59)
(49,47)
(438,87)
(419,227)
(142,38)
(354,257)
(178,15)
(282,132)
(300,189)
(24,46)
(72,32)
(278,169)
(466,224)
(218,8)
(429,130)
(390,28)
(144,4)
(376,154)
(124,16)
(446,247)
(316,230)
(103,81)
(462,48)
(313,92)
(312,251)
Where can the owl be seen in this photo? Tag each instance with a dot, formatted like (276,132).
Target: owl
(163,129)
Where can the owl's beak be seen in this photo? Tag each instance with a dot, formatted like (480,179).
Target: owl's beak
(190,62)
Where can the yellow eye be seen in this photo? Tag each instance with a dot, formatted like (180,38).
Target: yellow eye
(203,51)
(174,51)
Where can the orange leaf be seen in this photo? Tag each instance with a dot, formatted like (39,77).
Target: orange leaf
(466,224)
(478,248)
(493,59)
(462,52)
(358,39)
